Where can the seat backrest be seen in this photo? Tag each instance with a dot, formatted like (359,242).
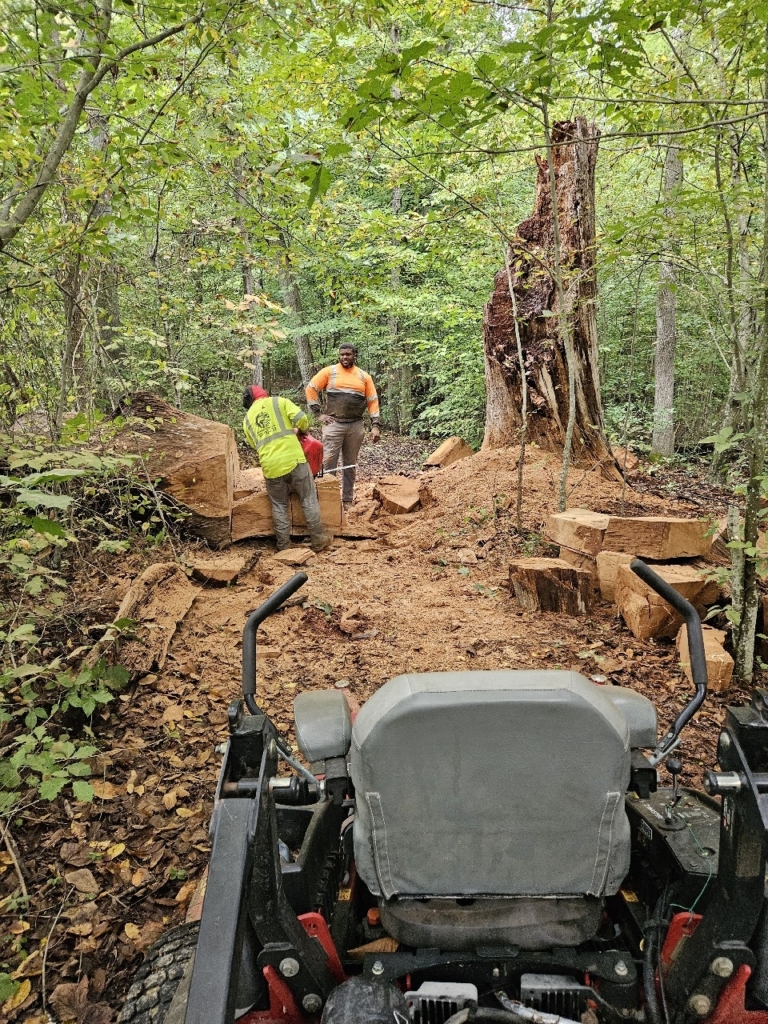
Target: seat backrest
(491,783)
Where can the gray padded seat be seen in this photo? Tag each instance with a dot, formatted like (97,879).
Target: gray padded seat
(491,784)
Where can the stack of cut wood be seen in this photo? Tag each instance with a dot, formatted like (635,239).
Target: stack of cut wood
(602,546)
(195,460)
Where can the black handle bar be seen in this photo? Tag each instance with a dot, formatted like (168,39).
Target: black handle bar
(255,619)
(695,652)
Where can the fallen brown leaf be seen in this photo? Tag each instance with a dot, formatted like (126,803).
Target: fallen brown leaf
(82,879)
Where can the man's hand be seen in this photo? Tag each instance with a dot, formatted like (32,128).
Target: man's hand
(375,433)
(325,419)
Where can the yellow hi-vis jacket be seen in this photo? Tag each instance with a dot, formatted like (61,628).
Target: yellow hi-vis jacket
(269,428)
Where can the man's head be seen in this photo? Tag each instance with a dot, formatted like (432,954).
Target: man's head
(252,394)
(347,355)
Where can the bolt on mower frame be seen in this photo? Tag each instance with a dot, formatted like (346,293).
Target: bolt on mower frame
(276,933)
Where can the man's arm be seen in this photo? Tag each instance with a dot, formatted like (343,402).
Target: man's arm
(318,383)
(294,415)
(373,407)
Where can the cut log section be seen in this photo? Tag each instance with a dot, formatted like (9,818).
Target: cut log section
(648,615)
(579,560)
(194,459)
(719,661)
(329,498)
(628,463)
(550,585)
(158,600)
(608,563)
(450,451)
(578,529)
(252,517)
(248,482)
(658,537)
(223,568)
(398,494)
(293,556)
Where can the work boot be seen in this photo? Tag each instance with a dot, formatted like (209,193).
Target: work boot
(347,505)
(322,542)
(283,545)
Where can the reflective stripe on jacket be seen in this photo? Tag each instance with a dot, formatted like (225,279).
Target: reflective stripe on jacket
(269,428)
(348,392)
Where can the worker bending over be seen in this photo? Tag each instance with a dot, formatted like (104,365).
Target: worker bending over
(349,393)
(270,426)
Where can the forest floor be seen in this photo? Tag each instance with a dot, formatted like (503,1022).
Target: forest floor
(429,593)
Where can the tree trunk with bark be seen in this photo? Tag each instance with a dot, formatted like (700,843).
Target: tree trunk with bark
(531,262)
(289,286)
(666,323)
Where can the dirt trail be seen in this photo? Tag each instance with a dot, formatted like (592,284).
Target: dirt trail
(429,593)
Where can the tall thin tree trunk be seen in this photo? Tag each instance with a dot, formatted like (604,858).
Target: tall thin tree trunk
(289,286)
(666,328)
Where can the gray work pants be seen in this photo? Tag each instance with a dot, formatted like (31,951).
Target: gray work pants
(299,482)
(345,439)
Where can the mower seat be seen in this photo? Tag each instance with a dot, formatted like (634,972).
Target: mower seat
(490,805)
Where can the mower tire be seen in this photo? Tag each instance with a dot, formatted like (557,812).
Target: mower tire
(154,986)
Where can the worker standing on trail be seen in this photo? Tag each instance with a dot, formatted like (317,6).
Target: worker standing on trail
(350,391)
(270,426)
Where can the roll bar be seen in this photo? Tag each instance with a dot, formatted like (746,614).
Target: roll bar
(255,619)
(692,621)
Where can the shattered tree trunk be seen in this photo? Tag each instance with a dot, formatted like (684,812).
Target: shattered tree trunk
(532,264)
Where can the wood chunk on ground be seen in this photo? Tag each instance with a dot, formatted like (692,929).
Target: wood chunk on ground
(195,460)
(719,661)
(398,495)
(578,529)
(646,614)
(221,568)
(293,556)
(608,563)
(629,464)
(450,451)
(157,600)
(329,499)
(658,537)
(550,585)
(580,560)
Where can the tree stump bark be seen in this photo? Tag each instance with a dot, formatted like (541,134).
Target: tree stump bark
(550,585)
(532,263)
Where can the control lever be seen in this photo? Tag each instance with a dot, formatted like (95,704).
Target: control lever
(674,767)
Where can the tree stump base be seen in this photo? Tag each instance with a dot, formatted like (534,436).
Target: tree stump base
(550,585)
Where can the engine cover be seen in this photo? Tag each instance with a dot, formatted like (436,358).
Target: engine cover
(362,1001)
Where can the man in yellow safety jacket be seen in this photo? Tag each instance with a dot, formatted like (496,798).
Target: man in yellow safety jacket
(270,426)
(349,393)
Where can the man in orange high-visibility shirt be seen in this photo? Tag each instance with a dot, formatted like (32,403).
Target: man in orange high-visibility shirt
(349,393)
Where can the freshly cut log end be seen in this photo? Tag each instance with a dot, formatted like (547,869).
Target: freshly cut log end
(578,529)
(450,451)
(194,459)
(252,517)
(550,585)
(249,481)
(221,569)
(646,614)
(658,537)
(398,495)
(719,661)
(608,563)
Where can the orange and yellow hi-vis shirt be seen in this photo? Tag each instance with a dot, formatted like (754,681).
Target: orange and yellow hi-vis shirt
(348,393)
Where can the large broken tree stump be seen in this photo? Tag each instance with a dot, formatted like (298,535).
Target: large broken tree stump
(550,585)
(398,494)
(719,661)
(646,614)
(157,600)
(450,451)
(532,265)
(194,459)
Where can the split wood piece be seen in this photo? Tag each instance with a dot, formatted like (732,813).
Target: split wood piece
(450,451)
(194,459)
(646,614)
(658,537)
(222,568)
(157,600)
(249,481)
(608,563)
(398,495)
(252,517)
(293,556)
(329,499)
(550,585)
(628,463)
(578,529)
(719,661)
